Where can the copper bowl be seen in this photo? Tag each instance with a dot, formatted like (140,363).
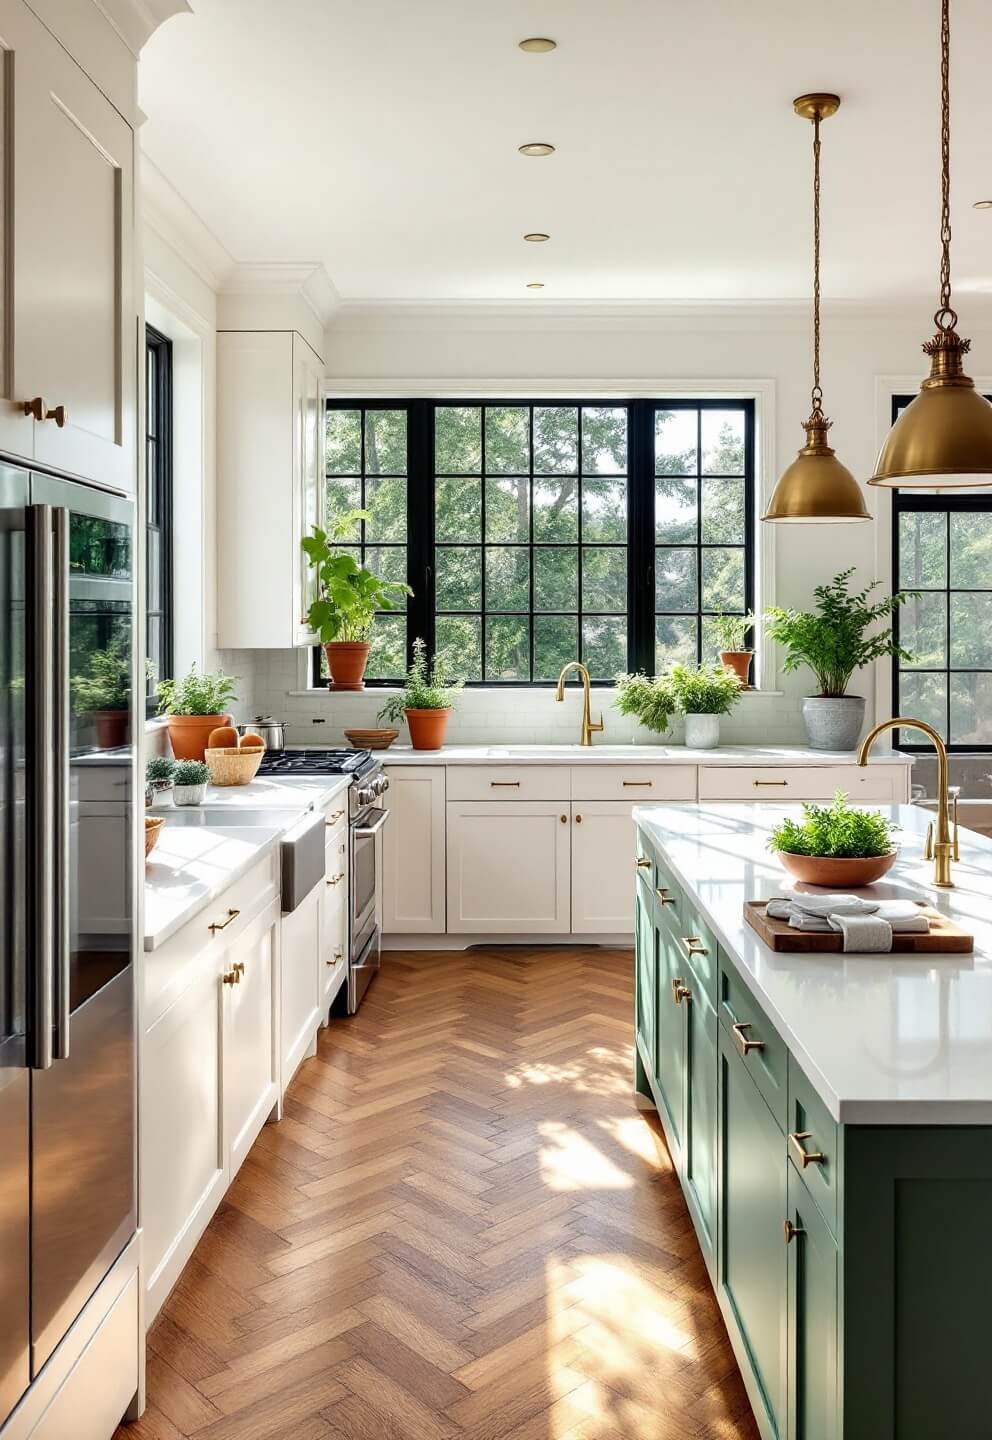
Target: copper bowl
(837,874)
(371,739)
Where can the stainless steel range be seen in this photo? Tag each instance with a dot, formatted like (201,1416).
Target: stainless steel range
(367,815)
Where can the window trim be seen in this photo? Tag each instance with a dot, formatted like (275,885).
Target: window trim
(640,544)
(161,345)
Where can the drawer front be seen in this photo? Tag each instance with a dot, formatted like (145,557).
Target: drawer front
(336,814)
(762,1050)
(696,946)
(814,1144)
(884,783)
(336,857)
(508,782)
(645,784)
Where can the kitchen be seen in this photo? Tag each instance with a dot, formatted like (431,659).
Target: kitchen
(476,1043)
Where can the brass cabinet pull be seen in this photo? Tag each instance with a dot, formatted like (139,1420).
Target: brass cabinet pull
(239,966)
(504,784)
(769,782)
(39,410)
(336,879)
(337,956)
(223,924)
(693,945)
(680,990)
(232,978)
(804,1156)
(634,784)
(744,1044)
(664,896)
(790,1231)
(329,822)
(643,863)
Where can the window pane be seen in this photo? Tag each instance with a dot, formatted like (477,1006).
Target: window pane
(675,506)
(675,641)
(459,641)
(389,563)
(923,631)
(386,502)
(971,551)
(925,698)
(556,440)
(342,496)
(723,580)
(508,510)
(507,578)
(458,440)
(604,579)
(556,642)
(971,631)
(675,580)
(153,568)
(151,390)
(922,550)
(723,442)
(152,516)
(458,510)
(385,442)
(508,439)
(153,648)
(459,579)
(387,657)
(971,710)
(604,440)
(604,509)
(723,512)
(675,442)
(507,648)
(556,510)
(604,647)
(344,442)
(556,579)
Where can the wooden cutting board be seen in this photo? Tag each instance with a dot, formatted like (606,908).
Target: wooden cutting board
(944,938)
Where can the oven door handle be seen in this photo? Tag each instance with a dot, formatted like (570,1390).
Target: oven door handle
(366,832)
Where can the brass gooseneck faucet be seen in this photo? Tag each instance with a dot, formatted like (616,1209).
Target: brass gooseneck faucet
(942,848)
(588,724)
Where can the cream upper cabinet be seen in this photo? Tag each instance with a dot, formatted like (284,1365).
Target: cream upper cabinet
(508,867)
(413,901)
(270,485)
(69,318)
(602,867)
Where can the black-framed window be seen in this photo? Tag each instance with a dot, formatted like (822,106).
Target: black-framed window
(942,546)
(534,532)
(158,506)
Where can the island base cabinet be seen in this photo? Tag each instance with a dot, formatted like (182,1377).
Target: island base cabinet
(645,1002)
(700,1127)
(670,1063)
(250,1061)
(508,867)
(813,1406)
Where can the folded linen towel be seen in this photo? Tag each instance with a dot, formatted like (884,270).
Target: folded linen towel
(819,924)
(833,904)
(904,917)
(863,934)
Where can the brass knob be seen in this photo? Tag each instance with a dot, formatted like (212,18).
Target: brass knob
(803,1156)
(790,1231)
(232,978)
(38,410)
(578,819)
(680,990)
(744,1044)
(564,819)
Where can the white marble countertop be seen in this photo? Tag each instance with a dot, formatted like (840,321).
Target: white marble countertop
(282,793)
(633,754)
(885,1039)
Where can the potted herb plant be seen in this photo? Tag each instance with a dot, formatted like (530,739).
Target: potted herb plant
(189,782)
(836,640)
(104,692)
(348,597)
(159,773)
(835,845)
(702,693)
(730,633)
(648,698)
(426,700)
(194,705)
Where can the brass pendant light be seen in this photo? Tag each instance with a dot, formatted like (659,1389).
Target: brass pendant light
(944,438)
(816,488)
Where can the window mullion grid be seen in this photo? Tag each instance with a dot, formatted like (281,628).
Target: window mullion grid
(699,535)
(530,512)
(947,623)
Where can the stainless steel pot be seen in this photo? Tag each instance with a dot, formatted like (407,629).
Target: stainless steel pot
(273,732)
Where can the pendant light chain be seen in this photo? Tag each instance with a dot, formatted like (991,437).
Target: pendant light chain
(817,395)
(945,317)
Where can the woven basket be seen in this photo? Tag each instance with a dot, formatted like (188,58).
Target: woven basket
(153,828)
(234,767)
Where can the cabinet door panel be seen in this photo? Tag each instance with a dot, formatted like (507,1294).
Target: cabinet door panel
(813,1267)
(752,1210)
(646,1010)
(700,1141)
(670,1059)
(508,867)
(413,851)
(299,984)
(250,1071)
(602,860)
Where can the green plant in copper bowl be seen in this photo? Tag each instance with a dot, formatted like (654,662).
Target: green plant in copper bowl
(835,845)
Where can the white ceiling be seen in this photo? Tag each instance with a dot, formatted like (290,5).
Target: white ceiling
(380,137)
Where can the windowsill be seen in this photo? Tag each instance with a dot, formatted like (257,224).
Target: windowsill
(387,690)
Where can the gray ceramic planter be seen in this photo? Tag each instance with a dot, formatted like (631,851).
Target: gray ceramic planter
(833,722)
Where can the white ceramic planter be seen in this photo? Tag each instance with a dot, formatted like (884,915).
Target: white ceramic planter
(833,722)
(702,732)
(189,794)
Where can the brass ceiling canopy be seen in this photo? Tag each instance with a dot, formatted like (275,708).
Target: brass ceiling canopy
(943,440)
(816,488)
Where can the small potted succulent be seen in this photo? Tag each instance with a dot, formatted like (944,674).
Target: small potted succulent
(833,641)
(702,693)
(348,599)
(194,705)
(426,700)
(835,845)
(159,772)
(730,632)
(189,782)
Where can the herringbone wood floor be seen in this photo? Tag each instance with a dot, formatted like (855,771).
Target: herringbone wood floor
(462,1228)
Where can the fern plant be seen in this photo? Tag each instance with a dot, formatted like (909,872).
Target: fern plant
(426,687)
(703,689)
(649,699)
(196,694)
(836,831)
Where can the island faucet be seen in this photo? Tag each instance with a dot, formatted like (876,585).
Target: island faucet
(588,724)
(942,848)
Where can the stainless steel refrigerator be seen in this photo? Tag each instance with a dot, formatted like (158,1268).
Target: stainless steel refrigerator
(68,724)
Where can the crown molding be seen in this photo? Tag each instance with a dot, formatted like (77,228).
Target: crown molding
(307,279)
(137,20)
(165,211)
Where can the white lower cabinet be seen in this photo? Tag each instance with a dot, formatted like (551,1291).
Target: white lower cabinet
(508,867)
(602,867)
(413,870)
(333,960)
(250,1062)
(299,1002)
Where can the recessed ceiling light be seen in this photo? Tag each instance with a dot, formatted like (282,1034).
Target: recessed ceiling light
(537,236)
(537,147)
(982,205)
(535,284)
(538,44)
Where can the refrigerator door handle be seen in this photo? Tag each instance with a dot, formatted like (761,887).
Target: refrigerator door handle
(40,859)
(60,780)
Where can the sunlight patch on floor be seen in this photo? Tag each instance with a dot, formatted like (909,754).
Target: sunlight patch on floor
(627,1315)
(600,1071)
(639,1139)
(571,1162)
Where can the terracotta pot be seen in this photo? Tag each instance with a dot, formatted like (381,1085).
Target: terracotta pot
(188,733)
(346,660)
(427,728)
(113,728)
(739,663)
(837,874)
